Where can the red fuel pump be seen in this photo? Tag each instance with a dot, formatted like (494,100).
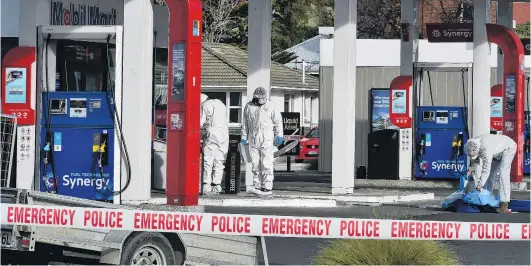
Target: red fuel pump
(18,91)
(184,92)
(513,90)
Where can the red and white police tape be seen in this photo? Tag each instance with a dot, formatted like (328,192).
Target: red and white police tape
(259,225)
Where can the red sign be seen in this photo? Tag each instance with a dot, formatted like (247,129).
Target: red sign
(449,32)
(496,107)
(16,84)
(399,106)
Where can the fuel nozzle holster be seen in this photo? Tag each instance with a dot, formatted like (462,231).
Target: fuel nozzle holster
(457,145)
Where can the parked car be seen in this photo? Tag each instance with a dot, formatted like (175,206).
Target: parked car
(309,146)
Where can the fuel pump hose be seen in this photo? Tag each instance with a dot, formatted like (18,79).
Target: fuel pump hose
(48,147)
(115,116)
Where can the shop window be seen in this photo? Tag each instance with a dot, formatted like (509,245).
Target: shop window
(222,96)
(235,107)
(233,101)
(289,101)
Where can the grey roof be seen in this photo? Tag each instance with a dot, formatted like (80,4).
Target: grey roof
(226,65)
(309,52)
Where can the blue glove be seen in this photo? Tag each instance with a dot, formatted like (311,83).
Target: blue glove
(47,147)
(244,141)
(279,139)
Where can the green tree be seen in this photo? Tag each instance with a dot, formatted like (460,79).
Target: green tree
(289,23)
(378,19)
(523,29)
(219,19)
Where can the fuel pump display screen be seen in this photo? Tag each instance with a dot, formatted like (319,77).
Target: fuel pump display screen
(178,69)
(442,117)
(58,106)
(510,94)
(428,116)
(78,107)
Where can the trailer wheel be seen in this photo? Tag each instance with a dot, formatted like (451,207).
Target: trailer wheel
(147,248)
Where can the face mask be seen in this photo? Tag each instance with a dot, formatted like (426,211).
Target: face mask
(259,101)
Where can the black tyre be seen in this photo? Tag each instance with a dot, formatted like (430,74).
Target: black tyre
(299,161)
(147,248)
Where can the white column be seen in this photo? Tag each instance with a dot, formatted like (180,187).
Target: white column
(259,58)
(408,12)
(137,98)
(505,18)
(31,14)
(344,97)
(481,70)
(408,55)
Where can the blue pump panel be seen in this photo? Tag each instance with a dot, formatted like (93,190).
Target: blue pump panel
(441,130)
(79,109)
(79,123)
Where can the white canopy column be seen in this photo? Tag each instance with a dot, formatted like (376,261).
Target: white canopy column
(344,97)
(137,98)
(408,47)
(505,18)
(481,70)
(259,59)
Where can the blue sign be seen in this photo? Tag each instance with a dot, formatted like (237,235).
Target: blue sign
(510,93)
(399,102)
(496,107)
(16,85)
(178,70)
(379,110)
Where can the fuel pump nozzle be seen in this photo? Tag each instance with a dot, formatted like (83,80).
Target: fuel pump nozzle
(457,145)
(421,148)
(99,147)
(48,182)
(457,150)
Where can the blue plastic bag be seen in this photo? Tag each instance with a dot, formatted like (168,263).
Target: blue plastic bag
(482,198)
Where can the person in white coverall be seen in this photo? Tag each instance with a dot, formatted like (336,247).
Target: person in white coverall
(495,153)
(262,130)
(215,126)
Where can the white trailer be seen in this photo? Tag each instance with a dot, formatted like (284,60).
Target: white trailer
(121,247)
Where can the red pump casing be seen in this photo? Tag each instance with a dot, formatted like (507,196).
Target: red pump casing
(513,80)
(184,93)
(19,58)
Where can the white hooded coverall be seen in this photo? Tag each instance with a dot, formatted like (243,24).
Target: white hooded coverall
(216,145)
(261,124)
(496,153)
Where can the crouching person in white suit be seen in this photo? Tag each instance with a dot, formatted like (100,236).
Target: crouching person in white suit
(496,154)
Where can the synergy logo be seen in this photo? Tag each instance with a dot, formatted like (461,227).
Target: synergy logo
(80,14)
(85,180)
(438,166)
